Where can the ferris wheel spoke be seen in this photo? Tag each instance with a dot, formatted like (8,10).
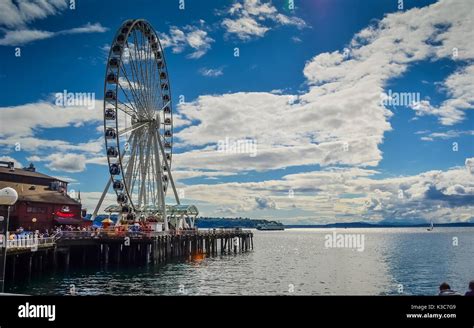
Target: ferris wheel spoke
(164,106)
(144,72)
(154,73)
(135,75)
(131,128)
(159,181)
(139,161)
(144,176)
(135,90)
(157,96)
(130,166)
(126,108)
(144,62)
(151,86)
(127,149)
(139,72)
(153,174)
(134,170)
(134,101)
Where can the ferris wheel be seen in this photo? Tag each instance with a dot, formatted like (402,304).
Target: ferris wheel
(138,122)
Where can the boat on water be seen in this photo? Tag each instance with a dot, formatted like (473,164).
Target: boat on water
(271,226)
(431,226)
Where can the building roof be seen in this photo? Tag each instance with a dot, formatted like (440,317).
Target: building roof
(38,193)
(26,173)
(184,209)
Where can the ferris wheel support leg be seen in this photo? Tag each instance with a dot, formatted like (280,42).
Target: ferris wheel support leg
(101,199)
(155,139)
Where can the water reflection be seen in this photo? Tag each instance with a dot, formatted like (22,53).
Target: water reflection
(292,262)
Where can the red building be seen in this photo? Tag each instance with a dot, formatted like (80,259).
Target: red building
(43,201)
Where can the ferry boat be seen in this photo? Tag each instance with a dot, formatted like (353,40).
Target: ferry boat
(271,226)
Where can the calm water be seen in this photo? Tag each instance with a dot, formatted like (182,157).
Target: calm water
(295,260)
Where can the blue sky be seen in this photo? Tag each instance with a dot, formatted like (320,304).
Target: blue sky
(307,82)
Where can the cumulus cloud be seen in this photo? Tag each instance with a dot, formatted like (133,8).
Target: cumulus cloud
(66,162)
(43,115)
(29,119)
(90,200)
(340,118)
(264,203)
(189,37)
(252,19)
(349,194)
(470,165)
(458,87)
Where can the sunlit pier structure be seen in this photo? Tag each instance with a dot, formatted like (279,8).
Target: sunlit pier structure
(31,256)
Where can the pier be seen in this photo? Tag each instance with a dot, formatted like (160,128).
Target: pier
(29,257)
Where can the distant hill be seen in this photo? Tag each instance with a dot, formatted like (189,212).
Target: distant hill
(252,223)
(380,225)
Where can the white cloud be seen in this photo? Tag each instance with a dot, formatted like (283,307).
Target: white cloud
(21,37)
(24,36)
(252,19)
(19,13)
(264,203)
(244,27)
(190,37)
(87,28)
(32,144)
(446,135)
(43,115)
(322,196)
(342,106)
(65,162)
(211,72)
(11,159)
(90,200)
(179,175)
(459,88)
(338,128)
(470,165)
(28,119)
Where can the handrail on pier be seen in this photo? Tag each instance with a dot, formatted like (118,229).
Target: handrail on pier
(99,234)
(29,241)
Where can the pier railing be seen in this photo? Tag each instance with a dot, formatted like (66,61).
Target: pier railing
(30,241)
(108,234)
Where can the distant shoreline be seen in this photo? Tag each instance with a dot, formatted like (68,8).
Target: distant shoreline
(368,225)
(247,223)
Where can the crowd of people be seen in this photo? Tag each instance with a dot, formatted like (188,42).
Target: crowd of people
(45,233)
(445,290)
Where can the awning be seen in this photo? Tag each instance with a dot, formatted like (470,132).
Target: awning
(71,221)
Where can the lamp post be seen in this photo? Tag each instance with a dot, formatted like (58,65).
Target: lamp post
(8,197)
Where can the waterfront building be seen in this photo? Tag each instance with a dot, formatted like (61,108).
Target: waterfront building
(43,201)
